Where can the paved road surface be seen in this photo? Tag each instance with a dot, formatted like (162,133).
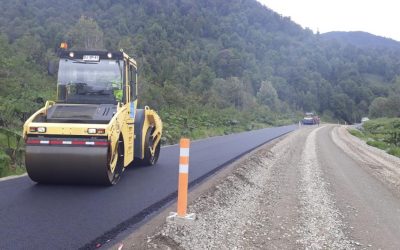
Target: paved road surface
(70,217)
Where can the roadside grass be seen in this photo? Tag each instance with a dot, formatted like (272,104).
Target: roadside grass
(379,144)
(357,133)
(394,151)
(193,122)
(11,153)
(382,133)
(200,122)
(8,167)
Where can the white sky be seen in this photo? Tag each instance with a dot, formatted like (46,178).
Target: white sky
(379,17)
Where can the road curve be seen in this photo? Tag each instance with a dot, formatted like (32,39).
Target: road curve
(69,217)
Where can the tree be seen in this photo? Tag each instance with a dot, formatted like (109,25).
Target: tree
(393,106)
(30,47)
(86,34)
(229,92)
(378,107)
(267,95)
(190,44)
(127,45)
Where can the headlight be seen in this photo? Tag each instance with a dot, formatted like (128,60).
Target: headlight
(91,131)
(41,130)
(96,131)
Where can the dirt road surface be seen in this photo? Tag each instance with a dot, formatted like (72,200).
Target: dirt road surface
(317,188)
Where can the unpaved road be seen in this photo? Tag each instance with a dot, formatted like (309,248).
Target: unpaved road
(317,188)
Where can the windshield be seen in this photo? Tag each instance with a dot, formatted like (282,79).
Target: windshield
(90,82)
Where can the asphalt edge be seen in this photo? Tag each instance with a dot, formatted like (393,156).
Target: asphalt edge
(139,219)
(6,178)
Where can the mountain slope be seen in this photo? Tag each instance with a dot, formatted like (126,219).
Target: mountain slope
(214,53)
(362,39)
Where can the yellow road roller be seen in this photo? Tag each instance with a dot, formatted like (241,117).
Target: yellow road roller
(94,130)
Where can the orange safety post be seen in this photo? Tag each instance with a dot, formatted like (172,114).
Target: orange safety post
(183,177)
(181,215)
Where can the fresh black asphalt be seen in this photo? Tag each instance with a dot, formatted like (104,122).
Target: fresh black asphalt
(70,217)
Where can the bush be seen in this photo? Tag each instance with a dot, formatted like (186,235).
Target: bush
(383,133)
(199,121)
(4,163)
(394,151)
(378,144)
(357,133)
(381,125)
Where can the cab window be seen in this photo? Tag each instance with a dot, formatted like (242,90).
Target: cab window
(132,81)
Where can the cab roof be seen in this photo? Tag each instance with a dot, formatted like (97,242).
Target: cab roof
(79,54)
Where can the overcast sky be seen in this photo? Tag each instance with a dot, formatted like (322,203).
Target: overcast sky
(380,18)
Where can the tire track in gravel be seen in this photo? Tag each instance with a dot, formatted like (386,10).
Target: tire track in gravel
(277,207)
(321,225)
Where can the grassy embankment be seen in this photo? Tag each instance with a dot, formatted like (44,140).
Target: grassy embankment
(198,122)
(383,133)
(195,123)
(11,153)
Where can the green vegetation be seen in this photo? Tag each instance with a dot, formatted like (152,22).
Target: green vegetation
(358,134)
(394,151)
(219,53)
(11,153)
(196,122)
(209,67)
(383,133)
(23,86)
(378,144)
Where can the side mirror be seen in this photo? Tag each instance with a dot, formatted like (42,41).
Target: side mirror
(52,67)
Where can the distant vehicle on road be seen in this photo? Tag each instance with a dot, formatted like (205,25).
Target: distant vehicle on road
(311,119)
(308,121)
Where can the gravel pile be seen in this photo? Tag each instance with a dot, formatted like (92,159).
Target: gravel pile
(228,216)
(321,225)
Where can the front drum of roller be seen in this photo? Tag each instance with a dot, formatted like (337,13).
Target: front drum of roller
(68,164)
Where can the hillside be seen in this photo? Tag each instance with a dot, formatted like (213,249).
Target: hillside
(209,66)
(203,48)
(362,39)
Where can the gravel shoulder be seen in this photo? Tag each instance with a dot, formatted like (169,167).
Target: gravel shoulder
(363,179)
(304,191)
(383,166)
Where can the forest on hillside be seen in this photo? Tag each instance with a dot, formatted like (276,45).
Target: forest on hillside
(203,64)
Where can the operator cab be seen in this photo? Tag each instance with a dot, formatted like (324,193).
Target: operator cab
(90,84)
(90,77)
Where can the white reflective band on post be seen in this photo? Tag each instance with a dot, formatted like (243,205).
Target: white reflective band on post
(67,142)
(184,152)
(44,142)
(183,168)
(89,143)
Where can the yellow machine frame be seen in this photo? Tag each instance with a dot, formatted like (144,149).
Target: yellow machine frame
(121,126)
